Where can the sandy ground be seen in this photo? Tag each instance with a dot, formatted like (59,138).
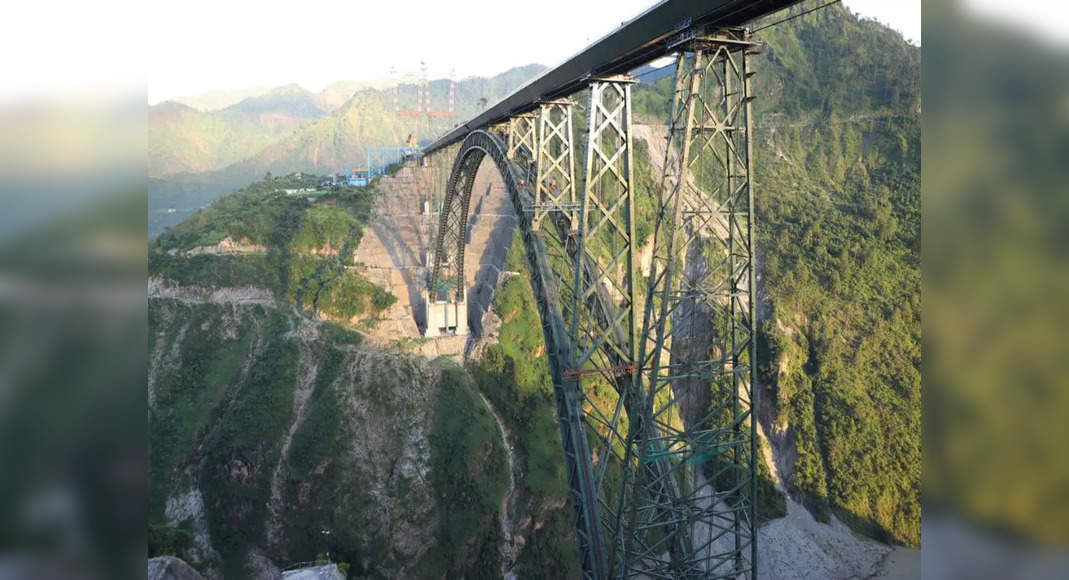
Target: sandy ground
(799,547)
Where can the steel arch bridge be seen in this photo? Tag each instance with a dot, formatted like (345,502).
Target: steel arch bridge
(652,364)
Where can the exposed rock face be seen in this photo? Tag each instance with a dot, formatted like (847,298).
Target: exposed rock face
(162,288)
(288,427)
(171,568)
(228,246)
(324,572)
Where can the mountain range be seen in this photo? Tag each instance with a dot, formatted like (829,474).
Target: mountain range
(197,156)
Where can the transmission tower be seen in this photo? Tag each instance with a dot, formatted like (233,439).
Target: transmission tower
(423,110)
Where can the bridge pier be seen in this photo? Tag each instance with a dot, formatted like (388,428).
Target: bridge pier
(521,137)
(700,308)
(662,473)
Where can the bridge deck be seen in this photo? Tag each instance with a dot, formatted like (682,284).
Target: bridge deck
(643,38)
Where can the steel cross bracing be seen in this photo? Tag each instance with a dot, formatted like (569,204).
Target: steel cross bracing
(653,378)
(646,37)
(604,314)
(554,164)
(521,136)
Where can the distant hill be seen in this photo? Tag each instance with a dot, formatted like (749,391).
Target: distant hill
(291,99)
(216,100)
(338,93)
(182,139)
(196,157)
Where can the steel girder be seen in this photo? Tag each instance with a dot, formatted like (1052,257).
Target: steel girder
(604,308)
(698,342)
(646,37)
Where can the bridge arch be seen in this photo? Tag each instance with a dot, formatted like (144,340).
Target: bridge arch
(448,260)
(447,284)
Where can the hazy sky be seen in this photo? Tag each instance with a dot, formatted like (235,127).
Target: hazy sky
(116,46)
(203,45)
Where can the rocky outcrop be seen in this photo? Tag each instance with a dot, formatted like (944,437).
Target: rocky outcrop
(162,288)
(323,572)
(227,246)
(171,568)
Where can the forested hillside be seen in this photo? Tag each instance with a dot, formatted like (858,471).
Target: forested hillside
(839,234)
(296,247)
(837,146)
(837,149)
(182,139)
(264,402)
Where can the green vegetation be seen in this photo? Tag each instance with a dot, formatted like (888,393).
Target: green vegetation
(318,439)
(221,410)
(519,386)
(262,213)
(551,551)
(324,227)
(224,401)
(839,230)
(188,397)
(839,238)
(183,139)
(167,540)
(296,247)
(198,157)
(470,475)
(247,436)
(208,410)
(516,381)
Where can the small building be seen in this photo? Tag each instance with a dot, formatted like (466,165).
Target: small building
(358,178)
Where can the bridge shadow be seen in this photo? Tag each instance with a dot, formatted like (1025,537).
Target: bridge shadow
(405,259)
(492,258)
